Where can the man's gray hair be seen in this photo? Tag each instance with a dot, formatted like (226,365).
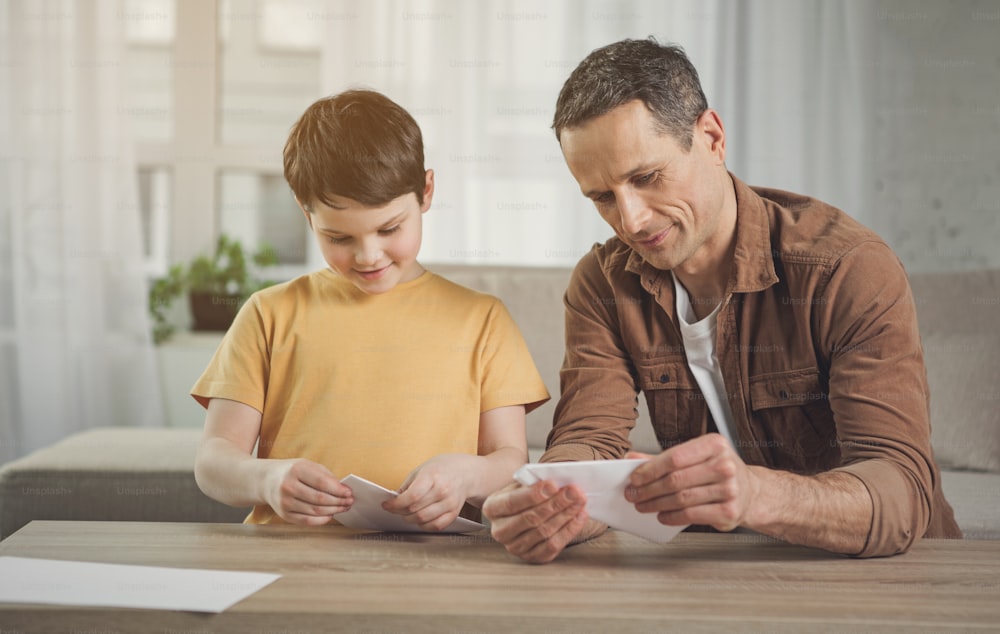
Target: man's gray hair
(662,77)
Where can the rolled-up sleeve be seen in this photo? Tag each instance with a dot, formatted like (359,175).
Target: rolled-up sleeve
(597,404)
(878,393)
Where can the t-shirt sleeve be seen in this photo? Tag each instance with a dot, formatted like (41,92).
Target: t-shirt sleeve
(239,369)
(509,375)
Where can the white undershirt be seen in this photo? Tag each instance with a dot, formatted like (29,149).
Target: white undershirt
(699,344)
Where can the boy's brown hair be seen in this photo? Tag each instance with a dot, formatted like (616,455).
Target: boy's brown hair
(358,144)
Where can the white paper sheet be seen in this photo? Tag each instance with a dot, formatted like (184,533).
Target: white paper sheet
(604,483)
(50,581)
(367,511)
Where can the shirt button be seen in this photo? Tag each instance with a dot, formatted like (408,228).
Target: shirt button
(783,394)
(664,378)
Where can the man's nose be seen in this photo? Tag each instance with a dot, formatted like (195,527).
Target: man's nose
(634,212)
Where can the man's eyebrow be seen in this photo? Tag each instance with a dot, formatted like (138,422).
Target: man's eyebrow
(626,176)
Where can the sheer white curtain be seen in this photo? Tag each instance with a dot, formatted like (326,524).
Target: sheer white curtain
(75,350)
(789,77)
(795,83)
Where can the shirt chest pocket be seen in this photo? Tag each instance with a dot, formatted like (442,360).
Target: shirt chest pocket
(677,409)
(792,416)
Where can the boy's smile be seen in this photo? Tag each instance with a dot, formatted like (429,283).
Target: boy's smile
(375,248)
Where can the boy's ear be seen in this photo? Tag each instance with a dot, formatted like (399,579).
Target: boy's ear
(428,190)
(305,211)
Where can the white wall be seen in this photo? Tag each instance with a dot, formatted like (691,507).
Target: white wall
(936,135)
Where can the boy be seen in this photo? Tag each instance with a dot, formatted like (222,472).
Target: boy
(373,366)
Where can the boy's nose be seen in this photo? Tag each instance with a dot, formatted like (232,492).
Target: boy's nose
(368,254)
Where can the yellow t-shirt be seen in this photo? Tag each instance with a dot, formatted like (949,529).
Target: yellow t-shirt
(370,384)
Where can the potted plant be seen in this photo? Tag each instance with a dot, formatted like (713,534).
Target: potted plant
(216,287)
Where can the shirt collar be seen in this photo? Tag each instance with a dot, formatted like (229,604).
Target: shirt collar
(753,268)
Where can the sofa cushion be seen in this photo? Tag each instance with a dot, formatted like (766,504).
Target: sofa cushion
(975,497)
(963,372)
(958,313)
(110,473)
(964,302)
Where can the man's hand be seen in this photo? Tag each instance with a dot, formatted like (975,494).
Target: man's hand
(433,494)
(537,522)
(304,492)
(701,481)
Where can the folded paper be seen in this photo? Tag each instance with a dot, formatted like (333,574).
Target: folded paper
(367,512)
(603,482)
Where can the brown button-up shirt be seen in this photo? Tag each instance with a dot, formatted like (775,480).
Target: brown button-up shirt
(818,344)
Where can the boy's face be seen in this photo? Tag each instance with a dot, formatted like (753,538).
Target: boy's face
(375,248)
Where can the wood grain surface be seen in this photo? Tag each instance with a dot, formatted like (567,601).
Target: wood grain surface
(338,579)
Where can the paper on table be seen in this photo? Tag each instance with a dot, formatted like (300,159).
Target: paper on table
(367,511)
(50,581)
(604,483)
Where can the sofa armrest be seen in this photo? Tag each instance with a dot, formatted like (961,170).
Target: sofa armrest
(123,474)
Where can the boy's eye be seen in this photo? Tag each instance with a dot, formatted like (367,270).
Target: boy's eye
(335,240)
(389,231)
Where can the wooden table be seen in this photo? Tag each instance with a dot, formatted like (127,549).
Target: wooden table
(337,579)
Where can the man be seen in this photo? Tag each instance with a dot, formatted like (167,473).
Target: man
(774,338)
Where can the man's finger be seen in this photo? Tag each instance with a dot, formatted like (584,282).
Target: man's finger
(518,500)
(545,550)
(540,521)
(687,498)
(686,454)
(674,482)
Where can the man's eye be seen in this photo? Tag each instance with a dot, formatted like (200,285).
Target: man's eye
(646,179)
(605,199)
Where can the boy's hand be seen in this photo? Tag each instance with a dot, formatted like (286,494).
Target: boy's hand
(434,493)
(304,492)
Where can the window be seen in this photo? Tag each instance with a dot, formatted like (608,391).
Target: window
(214,88)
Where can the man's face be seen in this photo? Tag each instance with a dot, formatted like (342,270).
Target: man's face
(374,248)
(662,201)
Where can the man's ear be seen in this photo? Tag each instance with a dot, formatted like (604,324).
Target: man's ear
(428,190)
(711,132)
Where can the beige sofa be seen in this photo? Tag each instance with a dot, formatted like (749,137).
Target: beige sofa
(124,474)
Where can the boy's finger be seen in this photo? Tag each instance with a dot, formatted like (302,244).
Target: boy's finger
(306,494)
(308,520)
(410,497)
(429,516)
(328,484)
